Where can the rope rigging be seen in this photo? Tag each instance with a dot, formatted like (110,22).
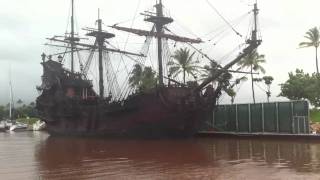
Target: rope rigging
(224,19)
(122,90)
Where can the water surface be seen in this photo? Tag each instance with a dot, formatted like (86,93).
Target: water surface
(30,155)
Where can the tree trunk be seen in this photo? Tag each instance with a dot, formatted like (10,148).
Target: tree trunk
(317,60)
(252,86)
(184,77)
(268,94)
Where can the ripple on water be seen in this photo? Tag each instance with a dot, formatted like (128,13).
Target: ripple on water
(31,155)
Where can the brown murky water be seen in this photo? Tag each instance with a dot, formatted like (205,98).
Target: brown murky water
(31,155)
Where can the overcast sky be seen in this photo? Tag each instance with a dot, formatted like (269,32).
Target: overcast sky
(26,23)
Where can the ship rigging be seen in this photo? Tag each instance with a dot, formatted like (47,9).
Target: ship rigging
(70,106)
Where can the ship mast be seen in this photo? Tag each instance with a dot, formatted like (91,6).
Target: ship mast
(99,45)
(159,21)
(254,42)
(100,40)
(100,36)
(72,35)
(159,28)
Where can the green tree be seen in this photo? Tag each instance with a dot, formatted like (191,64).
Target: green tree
(184,63)
(268,81)
(142,78)
(223,80)
(19,102)
(32,104)
(209,70)
(302,86)
(231,93)
(2,112)
(253,61)
(136,76)
(313,38)
(148,80)
(230,90)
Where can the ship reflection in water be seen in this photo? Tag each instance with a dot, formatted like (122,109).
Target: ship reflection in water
(37,156)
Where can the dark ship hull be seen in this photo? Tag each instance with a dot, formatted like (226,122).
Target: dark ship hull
(141,115)
(69,106)
(157,113)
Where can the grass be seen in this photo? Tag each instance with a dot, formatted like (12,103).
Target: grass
(315,115)
(29,121)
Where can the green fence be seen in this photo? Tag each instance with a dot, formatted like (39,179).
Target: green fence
(278,117)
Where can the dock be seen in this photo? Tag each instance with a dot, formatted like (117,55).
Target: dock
(258,135)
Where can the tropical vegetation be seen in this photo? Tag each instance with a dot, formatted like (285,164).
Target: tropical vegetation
(22,111)
(253,62)
(268,81)
(223,81)
(142,79)
(183,62)
(302,86)
(313,40)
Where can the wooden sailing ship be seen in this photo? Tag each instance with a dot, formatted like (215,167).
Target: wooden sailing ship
(70,106)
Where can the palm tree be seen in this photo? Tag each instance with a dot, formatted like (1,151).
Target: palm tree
(231,93)
(268,81)
(253,61)
(313,38)
(183,63)
(32,104)
(136,76)
(142,78)
(19,102)
(209,70)
(230,90)
(148,80)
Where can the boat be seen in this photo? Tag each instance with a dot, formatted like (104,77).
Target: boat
(69,105)
(38,126)
(2,126)
(8,123)
(18,127)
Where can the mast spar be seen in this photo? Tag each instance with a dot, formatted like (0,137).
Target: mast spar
(159,21)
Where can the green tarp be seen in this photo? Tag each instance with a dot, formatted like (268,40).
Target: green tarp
(279,117)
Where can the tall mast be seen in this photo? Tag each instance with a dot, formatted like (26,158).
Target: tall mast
(10,95)
(11,99)
(72,35)
(159,21)
(100,49)
(101,36)
(159,27)
(255,30)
